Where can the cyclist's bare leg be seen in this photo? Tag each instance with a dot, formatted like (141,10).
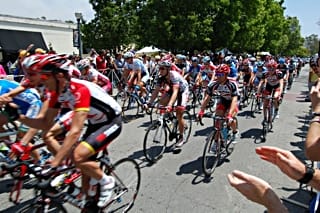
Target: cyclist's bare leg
(180,119)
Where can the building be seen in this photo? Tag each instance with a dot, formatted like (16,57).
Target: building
(19,32)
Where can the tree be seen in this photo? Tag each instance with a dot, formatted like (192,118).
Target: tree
(312,43)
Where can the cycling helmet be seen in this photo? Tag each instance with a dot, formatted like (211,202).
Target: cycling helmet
(206,59)
(195,59)
(252,59)
(223,68)
(167,58)
(165,63)
(47,63)
(128,55)
(281,61)
(260,64)
(181,57)
(82,64)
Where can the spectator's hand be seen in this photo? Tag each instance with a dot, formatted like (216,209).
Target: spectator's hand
(283,159)
(315,97)
(256,190)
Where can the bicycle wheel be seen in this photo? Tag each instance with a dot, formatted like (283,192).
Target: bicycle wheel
(155,141)
(254,106)
(187,125)
(128,177)
(130,108)
(53,207)
(211,155)
(212,104)
(264,131)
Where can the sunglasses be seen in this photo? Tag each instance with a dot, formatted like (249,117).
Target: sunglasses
(219,74)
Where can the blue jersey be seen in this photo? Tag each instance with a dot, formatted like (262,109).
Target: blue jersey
(28,101)
(137,65)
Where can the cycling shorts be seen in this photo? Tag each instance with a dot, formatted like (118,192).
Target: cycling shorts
(269,88)
(182,98)
(225,105)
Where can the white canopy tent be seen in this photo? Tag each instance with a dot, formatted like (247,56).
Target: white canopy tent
(149,50)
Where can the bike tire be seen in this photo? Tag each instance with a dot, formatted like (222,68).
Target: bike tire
(264,131)
(213,105)
(210,159)
(254,106)
(154,112)
(54,207)
(128,179)
(155,142)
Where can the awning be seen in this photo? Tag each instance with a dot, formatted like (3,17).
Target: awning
(13,40)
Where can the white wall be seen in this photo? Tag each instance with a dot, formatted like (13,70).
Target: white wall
(57,33)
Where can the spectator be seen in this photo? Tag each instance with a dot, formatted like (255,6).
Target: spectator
(2,71)
(101,61)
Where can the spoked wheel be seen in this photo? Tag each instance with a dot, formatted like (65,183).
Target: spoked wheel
(211,155)
(128,177)
(154,112)
(131,108)
(155,142)
(264,131)
(40,207)
(254,106)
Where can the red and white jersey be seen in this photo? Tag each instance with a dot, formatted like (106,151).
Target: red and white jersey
(94,75)
(273,78)
(87,96)
(208,70)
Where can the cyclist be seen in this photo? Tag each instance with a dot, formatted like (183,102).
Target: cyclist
(177,91)
(283,67)
(258,73)
(248,77)
(206,73)
(138,75)
(89,103)
(181,63)
(292,72)
(192,70)
(228,90)
(29,104)
(88,73)
(272,80)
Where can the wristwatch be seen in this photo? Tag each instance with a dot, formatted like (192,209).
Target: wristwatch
(307,177)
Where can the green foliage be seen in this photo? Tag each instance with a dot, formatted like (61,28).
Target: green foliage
(312,44)
(188,25)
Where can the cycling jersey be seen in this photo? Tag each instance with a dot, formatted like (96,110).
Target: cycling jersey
(193,70)
(175,80)
(258,75)
(94,75)
(227,90)
(28,101)
(207,72)
(273,78)
(136,65)
(86,96)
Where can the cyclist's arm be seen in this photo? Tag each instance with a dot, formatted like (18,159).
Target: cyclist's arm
(281,85)
(28,136)
(45,118)
(174,95)
(4,98)
(205,102)
(154,94)
(138,73)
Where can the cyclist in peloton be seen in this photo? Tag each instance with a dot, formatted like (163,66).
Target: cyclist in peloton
(272,80)
(193,70)
(88,73)
(248,77)
(138,75)
(177,92)
(88,102)
(206,73)
(283,67)
(228,105)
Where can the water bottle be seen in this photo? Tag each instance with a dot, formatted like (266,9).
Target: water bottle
(58,181)
(224,132)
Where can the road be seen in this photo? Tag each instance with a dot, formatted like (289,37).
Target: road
(176,183)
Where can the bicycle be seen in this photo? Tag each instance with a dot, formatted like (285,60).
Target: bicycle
(52,196)
(132,103)
(218,144)
(155,139)
(270,116)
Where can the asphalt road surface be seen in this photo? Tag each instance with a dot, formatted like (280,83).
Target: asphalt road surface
(176,182)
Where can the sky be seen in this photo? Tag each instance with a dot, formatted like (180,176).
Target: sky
(307,11)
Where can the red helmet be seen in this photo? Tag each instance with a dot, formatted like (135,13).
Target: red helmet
(46,62)
(223,68)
